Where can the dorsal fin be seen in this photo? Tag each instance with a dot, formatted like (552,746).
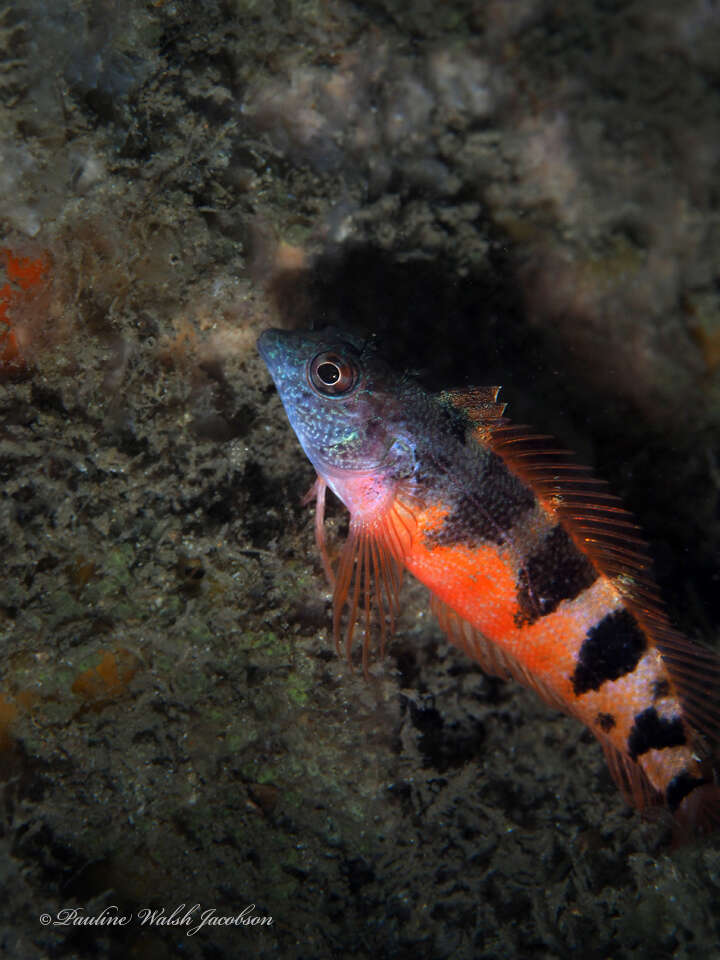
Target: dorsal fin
(595,519)
(479,404)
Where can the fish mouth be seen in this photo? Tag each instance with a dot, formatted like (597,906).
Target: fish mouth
(266,341)
(272,347)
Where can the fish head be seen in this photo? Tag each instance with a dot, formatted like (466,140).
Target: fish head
(341,398)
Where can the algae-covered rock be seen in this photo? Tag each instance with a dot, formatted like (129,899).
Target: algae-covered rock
(504,193)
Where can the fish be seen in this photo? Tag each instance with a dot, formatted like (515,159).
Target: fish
(534,569)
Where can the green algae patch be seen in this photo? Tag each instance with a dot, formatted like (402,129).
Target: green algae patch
(267,641)
(299,685)
(117,564)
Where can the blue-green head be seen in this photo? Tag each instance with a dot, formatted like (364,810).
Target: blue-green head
(342,399)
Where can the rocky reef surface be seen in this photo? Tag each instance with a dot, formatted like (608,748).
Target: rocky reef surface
(520,193)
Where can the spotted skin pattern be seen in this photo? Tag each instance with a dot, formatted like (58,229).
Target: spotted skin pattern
(534,570)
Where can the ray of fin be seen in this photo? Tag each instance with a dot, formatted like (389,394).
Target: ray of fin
(630,778)
(696,673)
(369,576)
(479,404)
(317,493)
(477,398)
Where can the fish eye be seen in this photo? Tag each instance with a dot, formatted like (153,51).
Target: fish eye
(332,375)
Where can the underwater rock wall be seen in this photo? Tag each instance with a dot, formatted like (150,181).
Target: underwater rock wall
(505,193)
